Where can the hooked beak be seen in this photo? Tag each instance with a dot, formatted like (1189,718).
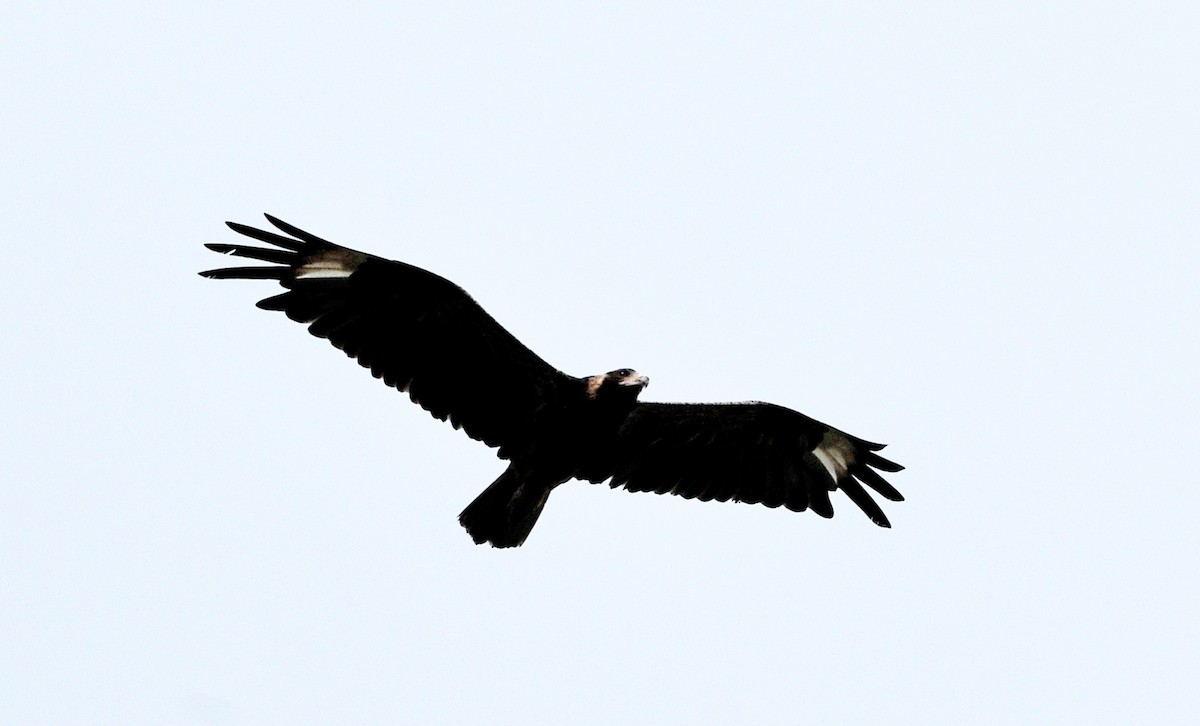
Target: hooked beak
(636,380)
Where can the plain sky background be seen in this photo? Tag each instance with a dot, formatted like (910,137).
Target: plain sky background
(969,230)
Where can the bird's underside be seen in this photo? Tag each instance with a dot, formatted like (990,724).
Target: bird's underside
(424,335)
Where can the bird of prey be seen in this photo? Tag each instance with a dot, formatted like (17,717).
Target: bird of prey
(424,335)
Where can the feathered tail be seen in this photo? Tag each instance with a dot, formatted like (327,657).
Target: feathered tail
(506,511)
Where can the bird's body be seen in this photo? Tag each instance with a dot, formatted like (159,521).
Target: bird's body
(569,436)
(422,334)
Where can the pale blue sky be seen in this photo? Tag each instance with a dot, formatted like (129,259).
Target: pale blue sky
(969,230)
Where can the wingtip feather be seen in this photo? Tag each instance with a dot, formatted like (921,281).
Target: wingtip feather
(871,478)
(863,500)
(882,464)
(246,273)
(295,231)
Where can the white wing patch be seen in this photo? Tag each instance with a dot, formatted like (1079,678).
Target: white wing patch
(836,454)
(331,264)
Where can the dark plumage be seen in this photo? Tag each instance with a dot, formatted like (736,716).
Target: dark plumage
(423,334)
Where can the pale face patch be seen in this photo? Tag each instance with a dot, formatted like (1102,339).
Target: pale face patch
(624,377)
(332,264)
(836,454)
(633,378)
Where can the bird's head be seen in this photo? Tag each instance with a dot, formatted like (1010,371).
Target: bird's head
(623,382)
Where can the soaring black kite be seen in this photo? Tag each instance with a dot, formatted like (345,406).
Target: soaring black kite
(423,334)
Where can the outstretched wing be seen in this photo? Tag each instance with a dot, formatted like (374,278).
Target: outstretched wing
(757,453)
(417,331)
